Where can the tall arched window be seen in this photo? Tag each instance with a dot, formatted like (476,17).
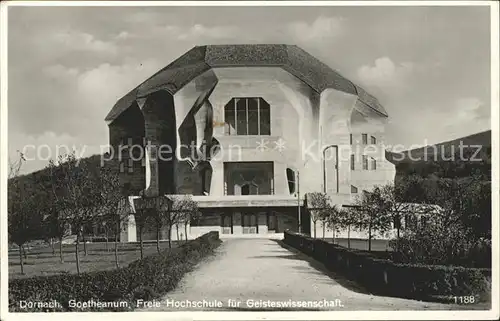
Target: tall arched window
(247,116)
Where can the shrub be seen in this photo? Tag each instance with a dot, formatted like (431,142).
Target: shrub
(386,277)
(146,279)
(441,244)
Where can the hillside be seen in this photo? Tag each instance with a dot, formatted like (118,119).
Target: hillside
(460,157)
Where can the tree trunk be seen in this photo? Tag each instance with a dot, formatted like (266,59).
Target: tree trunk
(106,235)
(186,230)
(170,236)
(60,249)
(323,223)
(77,255)
(158,239)
(370,237)
(21,258)
(397,240)
(177,229)
(117,231)
(314,226)
(348,236)
(140,242)
(84,244)
(53,246)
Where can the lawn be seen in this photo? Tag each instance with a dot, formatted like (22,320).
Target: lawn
(41,260)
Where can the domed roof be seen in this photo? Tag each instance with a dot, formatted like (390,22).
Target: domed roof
(199,59)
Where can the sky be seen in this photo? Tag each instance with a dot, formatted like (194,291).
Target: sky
(67,66)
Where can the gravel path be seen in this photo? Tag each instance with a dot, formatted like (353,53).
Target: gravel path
(262,269)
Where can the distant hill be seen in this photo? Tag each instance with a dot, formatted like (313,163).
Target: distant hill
(460,157)
(40,179)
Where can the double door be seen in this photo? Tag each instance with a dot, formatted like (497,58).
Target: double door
(249,223)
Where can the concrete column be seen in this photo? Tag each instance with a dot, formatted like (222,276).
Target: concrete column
(217,183)
(262,222)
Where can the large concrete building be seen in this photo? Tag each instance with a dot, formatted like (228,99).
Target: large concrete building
(249,130)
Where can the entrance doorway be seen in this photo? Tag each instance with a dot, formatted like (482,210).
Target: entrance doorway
(227,224)
(272,222)
(249,223)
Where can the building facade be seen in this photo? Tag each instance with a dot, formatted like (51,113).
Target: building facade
(249,130)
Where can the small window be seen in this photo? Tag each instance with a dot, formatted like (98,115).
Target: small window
(352,162)
(350,139)
(373,140)
(354,190)
(365,139)
(374,164)
(122,167)
(365,162)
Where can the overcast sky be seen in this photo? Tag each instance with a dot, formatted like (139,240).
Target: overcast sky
(429,66)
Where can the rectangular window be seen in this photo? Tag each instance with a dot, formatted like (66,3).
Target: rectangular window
(365,162)
(373,140)
(350,139)
(365,139)
(241,117)
(374,164)
(352,162)
(122,167)
(354,190)
(265,117)
(230,120)
(253,116)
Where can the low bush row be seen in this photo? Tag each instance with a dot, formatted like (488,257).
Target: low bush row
(144,279)
(385,277)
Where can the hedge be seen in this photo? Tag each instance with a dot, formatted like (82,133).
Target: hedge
(385,277)
(145,279)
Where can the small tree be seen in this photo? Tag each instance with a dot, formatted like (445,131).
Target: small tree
(374,212)
(189,212)
(24,221)
(347,219)
(57,222)
(393,198)
(113,203)
(159,215)
(183,209)
(319,207)
(141,215)
(333,219)
(78,191)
